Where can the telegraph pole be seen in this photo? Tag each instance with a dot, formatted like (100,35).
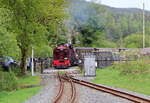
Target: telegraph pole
(143,25)
(32,62)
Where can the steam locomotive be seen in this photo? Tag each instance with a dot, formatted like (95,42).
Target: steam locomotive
(64,56)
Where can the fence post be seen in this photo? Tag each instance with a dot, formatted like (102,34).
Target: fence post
(41,66)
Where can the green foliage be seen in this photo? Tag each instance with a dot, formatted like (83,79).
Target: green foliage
(8,81)
(8,44)
(43,51)
(54,40)
(91,34)
(135,41)
(20,94)
(15,69)
(118,24)
(136,67)
(30,20)
(104,44)
(139,67)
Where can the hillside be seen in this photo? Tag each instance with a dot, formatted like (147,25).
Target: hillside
(126,10)
(114,23)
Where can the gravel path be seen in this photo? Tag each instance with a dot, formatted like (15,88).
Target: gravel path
(48,92)
(87,95)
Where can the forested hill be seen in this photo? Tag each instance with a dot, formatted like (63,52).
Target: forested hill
(126,10)
(97,23)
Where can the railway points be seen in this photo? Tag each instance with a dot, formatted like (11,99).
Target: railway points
(60,96)
(114,92)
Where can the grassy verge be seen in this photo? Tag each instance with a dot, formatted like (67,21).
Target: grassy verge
(20,95)
(25,81)
(115,77)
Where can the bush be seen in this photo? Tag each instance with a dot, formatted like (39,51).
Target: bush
(132,41)
(135,67)
(1,69)
(8,81)
(12,68)
(15,69)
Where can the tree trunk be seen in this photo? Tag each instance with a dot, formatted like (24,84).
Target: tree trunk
(23,62)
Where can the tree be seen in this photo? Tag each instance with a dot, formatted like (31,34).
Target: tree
(30,19)
(135,41)
(43,51)
(91,33)
(8,44)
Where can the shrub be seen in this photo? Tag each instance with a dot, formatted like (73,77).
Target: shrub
(8,81)
(1,69)
(132,41)
(15,69)
(135,67)
(12,68)
(0,75)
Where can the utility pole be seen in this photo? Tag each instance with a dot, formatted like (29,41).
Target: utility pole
(143,25)
(32,62)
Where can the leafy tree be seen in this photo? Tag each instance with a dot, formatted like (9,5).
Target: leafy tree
(30,19)
(8,44)
(135,41)
(43,51)
(91,33)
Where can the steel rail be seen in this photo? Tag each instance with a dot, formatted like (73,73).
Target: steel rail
(61,89)
(60,93)
(118,93)
(73,96)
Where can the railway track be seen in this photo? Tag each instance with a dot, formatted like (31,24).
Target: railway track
(59,98)
(121,94)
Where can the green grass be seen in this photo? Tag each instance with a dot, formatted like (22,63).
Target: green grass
(18,96)
(29,80)
(112,77)
(62,72)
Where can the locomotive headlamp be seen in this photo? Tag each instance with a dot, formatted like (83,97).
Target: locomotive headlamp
(65,58)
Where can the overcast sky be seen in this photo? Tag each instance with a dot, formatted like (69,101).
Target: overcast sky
(125,3)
